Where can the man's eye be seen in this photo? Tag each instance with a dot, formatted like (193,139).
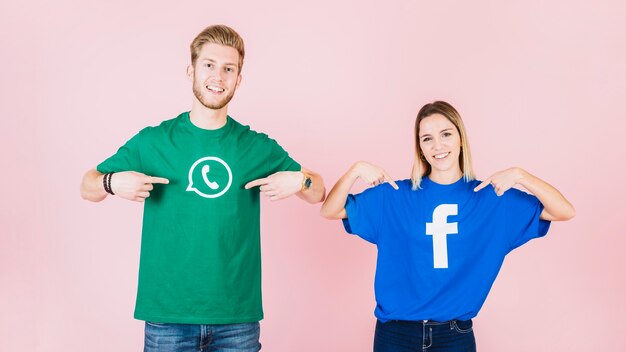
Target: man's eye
(209,65)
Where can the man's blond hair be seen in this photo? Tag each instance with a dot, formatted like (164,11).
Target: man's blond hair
(218,34)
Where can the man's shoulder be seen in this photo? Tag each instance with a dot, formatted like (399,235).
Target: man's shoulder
(165,125)
(245,131)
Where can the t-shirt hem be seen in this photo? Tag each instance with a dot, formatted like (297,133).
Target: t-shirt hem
(436,318)
(198,320)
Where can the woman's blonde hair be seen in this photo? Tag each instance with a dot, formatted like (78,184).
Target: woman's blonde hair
(422,168)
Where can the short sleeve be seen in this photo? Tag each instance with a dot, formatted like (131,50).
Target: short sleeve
(522,218)
(365,213)
(127,158)
(279,159)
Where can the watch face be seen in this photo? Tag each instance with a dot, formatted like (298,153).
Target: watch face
(307,183)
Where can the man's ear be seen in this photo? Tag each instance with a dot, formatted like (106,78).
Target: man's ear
(190,72)
(238,81)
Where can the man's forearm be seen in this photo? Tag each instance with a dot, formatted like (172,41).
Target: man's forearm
(317,192)
(91,187)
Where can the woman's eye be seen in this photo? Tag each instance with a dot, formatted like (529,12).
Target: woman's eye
(426,139)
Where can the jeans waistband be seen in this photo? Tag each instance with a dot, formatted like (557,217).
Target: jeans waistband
(429,322)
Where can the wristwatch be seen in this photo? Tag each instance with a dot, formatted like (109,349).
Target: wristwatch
(306,181)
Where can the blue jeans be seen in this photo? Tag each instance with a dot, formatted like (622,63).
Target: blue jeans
(431,336)
(202,338)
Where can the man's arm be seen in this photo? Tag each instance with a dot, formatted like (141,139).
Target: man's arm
(286,183)
(92,188)
(316,192)
(129,185)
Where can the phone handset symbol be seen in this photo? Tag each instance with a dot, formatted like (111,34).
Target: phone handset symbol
(212,185)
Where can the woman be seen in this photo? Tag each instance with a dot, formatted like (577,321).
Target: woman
(441,236)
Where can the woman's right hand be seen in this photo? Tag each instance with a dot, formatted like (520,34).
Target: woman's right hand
(371,174)
(334,206)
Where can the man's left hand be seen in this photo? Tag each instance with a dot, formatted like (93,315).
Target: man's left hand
(279,185)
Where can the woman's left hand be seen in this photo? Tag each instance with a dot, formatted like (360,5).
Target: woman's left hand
(502,181)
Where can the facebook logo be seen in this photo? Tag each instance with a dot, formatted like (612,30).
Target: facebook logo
(439,229)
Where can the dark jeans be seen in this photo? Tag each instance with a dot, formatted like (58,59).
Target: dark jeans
(202,338)
(431,336)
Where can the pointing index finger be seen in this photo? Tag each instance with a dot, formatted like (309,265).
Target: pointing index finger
(153,179)
(255,183)
(482,185)
(390,181)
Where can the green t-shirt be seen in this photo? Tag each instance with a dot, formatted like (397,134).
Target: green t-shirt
(200,248)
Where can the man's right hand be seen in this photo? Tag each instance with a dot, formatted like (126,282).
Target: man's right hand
(133,185)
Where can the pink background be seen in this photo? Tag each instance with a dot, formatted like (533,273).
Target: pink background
(540,84)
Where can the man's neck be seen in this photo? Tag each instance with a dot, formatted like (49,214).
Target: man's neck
(208,119)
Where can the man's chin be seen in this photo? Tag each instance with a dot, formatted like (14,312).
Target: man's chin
(215,105)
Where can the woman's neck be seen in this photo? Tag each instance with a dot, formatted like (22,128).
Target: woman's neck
(446,177)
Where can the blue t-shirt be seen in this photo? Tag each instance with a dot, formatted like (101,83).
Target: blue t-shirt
(440,247)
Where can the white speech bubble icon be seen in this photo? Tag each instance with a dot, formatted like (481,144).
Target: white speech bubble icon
(210,184)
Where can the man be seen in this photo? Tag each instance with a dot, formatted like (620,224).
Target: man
(200,267)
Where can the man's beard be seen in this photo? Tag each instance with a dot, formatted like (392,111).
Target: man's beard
(216,106)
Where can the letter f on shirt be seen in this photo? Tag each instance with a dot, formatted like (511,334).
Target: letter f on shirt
(439,229)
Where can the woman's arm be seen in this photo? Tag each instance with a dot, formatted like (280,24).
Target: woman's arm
(555,206)
(334,206)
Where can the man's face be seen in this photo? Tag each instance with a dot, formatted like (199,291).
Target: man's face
(215,75)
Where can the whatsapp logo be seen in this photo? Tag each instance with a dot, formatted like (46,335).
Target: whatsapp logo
(209,177)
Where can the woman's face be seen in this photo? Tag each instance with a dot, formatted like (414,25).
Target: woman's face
(440,142)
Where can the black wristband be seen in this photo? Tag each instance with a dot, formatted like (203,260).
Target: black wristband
(106,181)
(109,182)
(111,189)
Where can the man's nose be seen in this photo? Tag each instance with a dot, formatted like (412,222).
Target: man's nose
(217,74)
